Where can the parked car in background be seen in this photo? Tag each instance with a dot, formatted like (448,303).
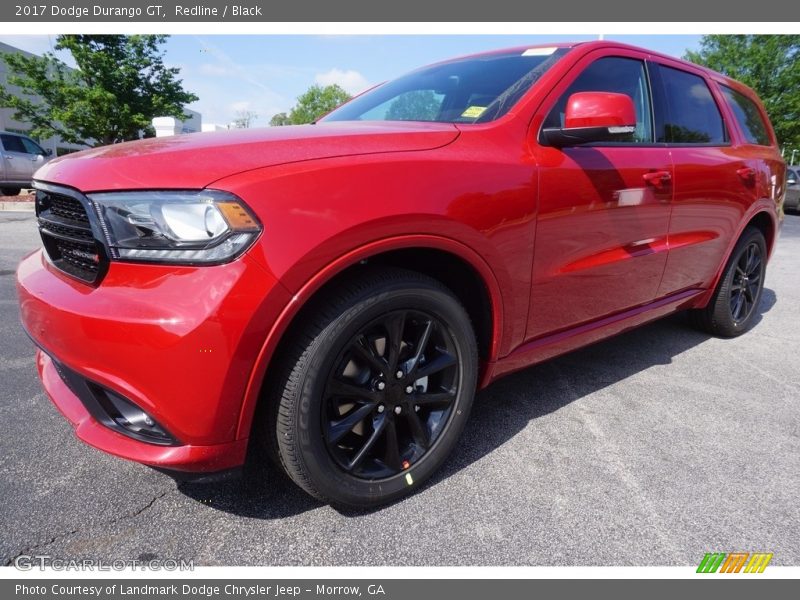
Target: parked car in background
(20,156)
(337,292)
(792,201)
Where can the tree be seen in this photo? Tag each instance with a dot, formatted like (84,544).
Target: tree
(119,86)
(316,102)
(770,64)
(244,119)
(419,105)
(280,119)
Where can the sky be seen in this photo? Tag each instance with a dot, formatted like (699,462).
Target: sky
(266,73)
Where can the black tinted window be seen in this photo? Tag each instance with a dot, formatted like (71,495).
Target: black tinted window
(748,116)
(12,143)
(693,116)
(617,75)
(31,147)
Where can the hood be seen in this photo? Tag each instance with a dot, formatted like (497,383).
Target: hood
(198,159)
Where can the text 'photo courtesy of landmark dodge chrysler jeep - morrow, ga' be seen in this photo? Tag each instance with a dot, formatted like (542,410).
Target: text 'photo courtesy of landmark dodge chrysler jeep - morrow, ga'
(337,292)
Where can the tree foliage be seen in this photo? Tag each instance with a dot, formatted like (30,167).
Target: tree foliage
(121,83)
(316,102)
(418,105)
(244,119)
(770,64)
(280,119)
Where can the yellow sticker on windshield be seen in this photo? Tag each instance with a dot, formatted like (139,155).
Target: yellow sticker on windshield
(473,112)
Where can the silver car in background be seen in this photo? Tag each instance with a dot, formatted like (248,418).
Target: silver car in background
(20,157)
(792,201)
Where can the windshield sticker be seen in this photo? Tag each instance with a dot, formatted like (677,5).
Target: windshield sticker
(473,112)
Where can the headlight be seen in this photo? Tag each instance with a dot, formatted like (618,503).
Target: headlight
(185,227)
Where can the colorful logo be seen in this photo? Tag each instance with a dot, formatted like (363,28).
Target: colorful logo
(734,562)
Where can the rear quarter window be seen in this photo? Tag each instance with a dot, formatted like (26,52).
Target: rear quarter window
(748,116)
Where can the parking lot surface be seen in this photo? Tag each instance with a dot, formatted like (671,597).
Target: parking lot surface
(652,448)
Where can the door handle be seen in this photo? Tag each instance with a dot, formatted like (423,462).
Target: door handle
(657,178)
(746,173)
(9,157)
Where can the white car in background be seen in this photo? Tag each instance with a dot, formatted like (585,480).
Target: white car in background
(20,157)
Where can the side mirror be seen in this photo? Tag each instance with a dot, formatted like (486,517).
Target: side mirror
(48,152)
(594,117)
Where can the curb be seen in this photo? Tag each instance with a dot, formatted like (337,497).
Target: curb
(16,206)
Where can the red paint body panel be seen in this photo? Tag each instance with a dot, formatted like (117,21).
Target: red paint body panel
(573,245)
(196,160)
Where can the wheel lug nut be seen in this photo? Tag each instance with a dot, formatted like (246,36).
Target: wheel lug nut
(381,385)
(397,410)
(381,408)
(416,409)
(409,389)
(399,374)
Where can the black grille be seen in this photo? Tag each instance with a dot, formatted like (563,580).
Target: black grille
(66,230)
(68,209)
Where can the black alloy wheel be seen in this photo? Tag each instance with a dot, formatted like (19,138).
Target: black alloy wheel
(746,285)
(374,387)
(734,305)
(390,394)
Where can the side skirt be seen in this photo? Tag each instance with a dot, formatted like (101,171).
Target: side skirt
(556,344)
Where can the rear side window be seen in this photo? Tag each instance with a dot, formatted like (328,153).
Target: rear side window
(12,143)
(693,116)
(612,74)
(748,116)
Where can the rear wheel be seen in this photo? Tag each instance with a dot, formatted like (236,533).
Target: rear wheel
(375,388)
(735,302)
(7,191)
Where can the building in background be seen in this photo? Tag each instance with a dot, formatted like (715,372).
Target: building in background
(7,121)
(207,127)
(166,126)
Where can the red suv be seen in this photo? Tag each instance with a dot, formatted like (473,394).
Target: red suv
(339,291)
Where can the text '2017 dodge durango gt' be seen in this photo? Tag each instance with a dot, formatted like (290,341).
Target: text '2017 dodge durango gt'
(337,292)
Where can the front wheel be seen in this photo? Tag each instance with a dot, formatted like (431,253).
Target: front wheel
(375,388)
(734,305)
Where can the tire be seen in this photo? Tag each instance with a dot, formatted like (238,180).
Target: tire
(338,388)
(7,191)
(734,305)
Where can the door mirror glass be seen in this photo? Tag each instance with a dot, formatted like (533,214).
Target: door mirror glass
(594,117)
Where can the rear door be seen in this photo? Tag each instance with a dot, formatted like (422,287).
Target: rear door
(19,163)
(715,182)
(601,231)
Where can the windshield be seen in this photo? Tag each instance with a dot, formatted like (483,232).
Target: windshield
(469,90)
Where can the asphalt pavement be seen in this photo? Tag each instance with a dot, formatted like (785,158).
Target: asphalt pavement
(652,448)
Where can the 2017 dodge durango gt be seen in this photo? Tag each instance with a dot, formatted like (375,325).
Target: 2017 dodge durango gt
(338,291)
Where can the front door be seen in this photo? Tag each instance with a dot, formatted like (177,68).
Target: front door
(19,163)
(603,211)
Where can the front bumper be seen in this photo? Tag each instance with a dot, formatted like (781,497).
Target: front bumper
(178,342)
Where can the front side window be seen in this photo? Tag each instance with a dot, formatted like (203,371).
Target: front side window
(31,147)
(693,116)
(470,90)
(612,74)
(748,116)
